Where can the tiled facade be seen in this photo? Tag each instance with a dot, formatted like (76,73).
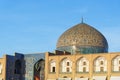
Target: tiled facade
(30,60)
(25,64)
(82,38)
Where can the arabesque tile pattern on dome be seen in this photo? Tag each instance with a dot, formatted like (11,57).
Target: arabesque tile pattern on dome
(82,35)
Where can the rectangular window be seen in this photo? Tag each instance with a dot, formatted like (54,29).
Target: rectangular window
(101,62)
(84,63)
(68,70)
(53,70)
(84,69)
(68,64)
(101,69)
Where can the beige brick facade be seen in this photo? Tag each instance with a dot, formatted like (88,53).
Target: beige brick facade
(3,68)
(109,57)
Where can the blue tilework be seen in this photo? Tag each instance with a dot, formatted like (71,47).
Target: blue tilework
(30,60)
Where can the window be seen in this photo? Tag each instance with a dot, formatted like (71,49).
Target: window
(53,70)
(101,69)
(84,69)
(18,67)
(0,68)
(116,64)
(68,70)
(101,62)
(68,64)
(52,66)
(84,63)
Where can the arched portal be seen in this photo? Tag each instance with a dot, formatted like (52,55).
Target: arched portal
(18,67)
(39,70)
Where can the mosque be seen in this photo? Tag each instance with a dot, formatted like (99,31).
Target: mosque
(81,54)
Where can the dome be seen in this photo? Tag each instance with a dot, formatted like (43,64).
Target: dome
(82,38)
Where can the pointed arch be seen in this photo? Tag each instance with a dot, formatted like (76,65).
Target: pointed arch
(100,64)
(66,65)
(39,70)
(116,64)
(1,66)
(18,67)
(82,64)
(52,65)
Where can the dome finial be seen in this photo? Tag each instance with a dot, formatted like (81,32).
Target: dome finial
(82,20)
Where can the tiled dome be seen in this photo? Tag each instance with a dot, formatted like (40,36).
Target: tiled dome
(82,38)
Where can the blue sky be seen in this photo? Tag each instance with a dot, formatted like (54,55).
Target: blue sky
(31,26)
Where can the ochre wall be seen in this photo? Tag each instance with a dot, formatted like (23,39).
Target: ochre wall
(91,57)
(3,72)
